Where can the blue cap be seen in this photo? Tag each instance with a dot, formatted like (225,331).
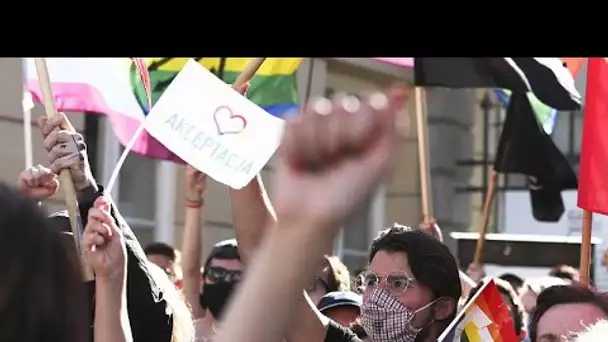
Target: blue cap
(339,298)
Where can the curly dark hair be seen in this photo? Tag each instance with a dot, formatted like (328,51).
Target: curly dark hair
(431,262)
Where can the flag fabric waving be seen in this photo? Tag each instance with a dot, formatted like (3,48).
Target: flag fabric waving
(485,318)
(525,148)
(593,189)
(404,62)
(545,115)
(112,86)
(573,64)
(547,78)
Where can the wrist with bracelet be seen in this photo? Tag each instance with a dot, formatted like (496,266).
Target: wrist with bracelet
(194,204)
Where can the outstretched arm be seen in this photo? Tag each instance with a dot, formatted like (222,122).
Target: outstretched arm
(321,177)
(192,239)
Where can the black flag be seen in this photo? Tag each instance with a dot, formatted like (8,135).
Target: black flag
(547,78)
(525,148)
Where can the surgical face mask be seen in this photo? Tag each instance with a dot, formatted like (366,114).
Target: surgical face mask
(385,319)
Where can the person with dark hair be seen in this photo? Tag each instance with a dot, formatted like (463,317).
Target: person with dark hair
(222,269)
(564,310)
(513,302)
(166,257)
(514,280)
(408,265)
(565,272)
(42,297)
(150,318)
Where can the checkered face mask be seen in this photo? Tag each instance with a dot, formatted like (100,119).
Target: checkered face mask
(385,319)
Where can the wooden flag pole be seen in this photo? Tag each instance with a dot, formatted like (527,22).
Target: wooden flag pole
(250,70)
(65,177)
(485,219)
(425,177)
(586,248)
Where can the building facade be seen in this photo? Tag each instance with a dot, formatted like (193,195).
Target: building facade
(150,193)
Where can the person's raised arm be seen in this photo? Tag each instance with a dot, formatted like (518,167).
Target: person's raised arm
(251,212)
(331,158)
(106,253)
(192,240)
(66,150)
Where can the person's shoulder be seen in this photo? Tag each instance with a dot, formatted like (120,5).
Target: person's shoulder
(338,333)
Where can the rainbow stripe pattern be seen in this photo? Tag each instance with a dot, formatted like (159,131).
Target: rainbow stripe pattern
(485,318)
(113,87)
(274,87)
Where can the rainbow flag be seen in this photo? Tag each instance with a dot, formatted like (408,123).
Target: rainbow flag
(113,87)
(485,318)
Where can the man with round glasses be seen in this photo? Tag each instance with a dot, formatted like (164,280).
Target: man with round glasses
(411,287)
(312,205)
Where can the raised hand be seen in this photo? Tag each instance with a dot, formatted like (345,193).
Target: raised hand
(66,149)
(195,184)
(38,182)
(333,155)
(103,243)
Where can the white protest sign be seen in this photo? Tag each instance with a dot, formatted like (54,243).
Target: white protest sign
(214,128)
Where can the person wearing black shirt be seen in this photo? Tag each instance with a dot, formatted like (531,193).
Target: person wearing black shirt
(145,303)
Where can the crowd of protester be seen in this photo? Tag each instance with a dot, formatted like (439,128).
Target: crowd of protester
(277,280)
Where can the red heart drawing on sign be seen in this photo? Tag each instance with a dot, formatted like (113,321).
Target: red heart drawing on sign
(227,122)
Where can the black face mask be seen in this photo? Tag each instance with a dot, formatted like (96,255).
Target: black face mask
(216,296)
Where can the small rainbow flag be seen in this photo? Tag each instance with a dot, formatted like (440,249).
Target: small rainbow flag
(485,318)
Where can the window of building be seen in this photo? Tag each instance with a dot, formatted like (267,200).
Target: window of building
(137,191)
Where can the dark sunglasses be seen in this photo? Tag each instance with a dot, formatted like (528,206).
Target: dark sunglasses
(219,274)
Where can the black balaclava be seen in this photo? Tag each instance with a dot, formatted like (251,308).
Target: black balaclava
(216,296)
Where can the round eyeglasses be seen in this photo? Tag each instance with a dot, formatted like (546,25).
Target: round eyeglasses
(395,282)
